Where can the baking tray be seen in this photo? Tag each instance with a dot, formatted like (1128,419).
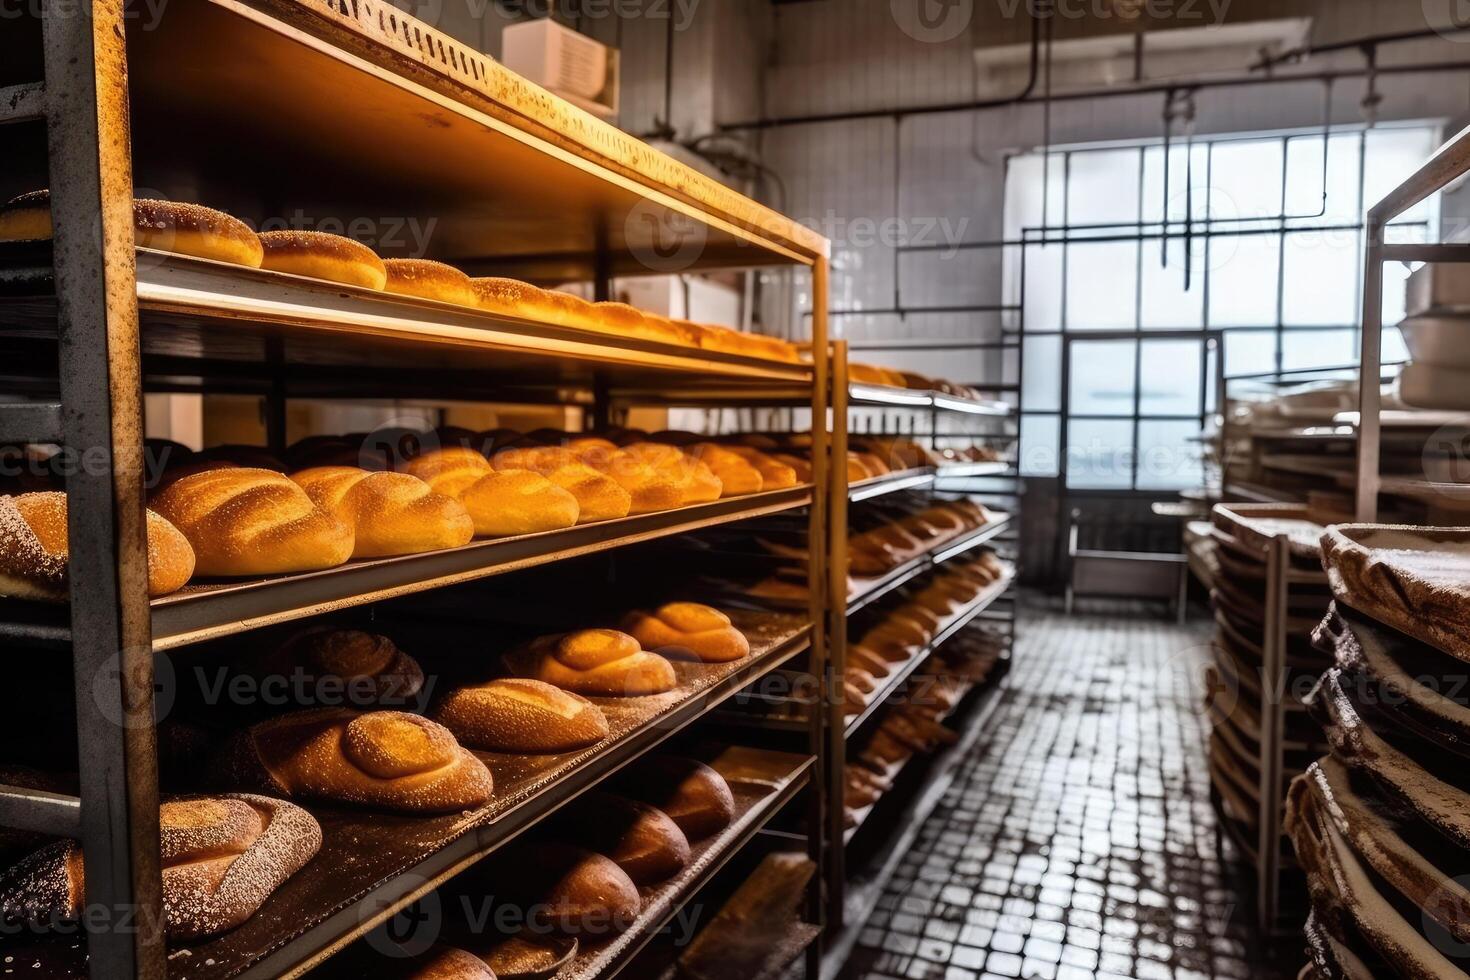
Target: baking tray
(372,864)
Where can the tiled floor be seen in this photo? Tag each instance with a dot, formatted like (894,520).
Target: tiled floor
(1079,841)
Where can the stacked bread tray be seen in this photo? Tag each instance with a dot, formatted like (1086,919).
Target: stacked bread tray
(1250,729)
(1380,823)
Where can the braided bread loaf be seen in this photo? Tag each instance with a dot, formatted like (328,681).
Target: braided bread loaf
(500,502)
(688,630)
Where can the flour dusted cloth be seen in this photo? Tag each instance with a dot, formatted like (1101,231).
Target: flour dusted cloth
(1414,579)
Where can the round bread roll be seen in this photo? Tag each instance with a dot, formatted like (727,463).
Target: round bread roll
(390,760)
(697,483)
(389,513)
(34,557)
(169,226)
(448,963)
(427,279)
(501,503)
(358,658)
(597,663)
(570,890)
(318,255)
(640,839)
(222,857)
(695,797)
(688,630)
(521,716)
(252,522)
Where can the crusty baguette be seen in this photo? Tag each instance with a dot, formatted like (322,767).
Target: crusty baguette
(688,630)
(252,522)
(319,255)
(384,759)
(639,838)
(598,663)
(222,858)
(34,556)
(389,513)
(695,797)
(427,279)
(521,716)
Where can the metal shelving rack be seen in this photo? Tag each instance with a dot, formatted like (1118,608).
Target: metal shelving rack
(377,113)
(848,905)
(1450,163)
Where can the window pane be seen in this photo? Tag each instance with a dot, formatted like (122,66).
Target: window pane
(1023,192)
(1319,348)
(1102,286)
(1245,179)
(1169,456)
(1103,188)
(1103,373)
(1044,287)
(1041,439)
(1304,180)
(1100,455)
(1389,156)
(1244,270)
(1167,305)
(1249,352)
(1182,177)
(1170,377)
(1042,387)
(1321,278)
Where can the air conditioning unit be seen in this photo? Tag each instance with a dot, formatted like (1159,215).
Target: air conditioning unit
(571,65)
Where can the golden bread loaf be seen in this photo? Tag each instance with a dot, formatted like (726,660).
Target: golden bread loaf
(448,963)
(641,839)
(34,557)
(387,760)
(511,297)
(318,255)
(697,483)
(373,668)
(775,475)
(518,715)
(599,497)
(737,476)
(569,890)
(169,226)
(695,797)
(428,279)
(596,663)
(501,503)
(389,513)
(688,630)
(648,489)
(252,522)
(222,857)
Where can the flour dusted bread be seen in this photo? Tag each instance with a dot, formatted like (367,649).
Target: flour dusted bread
(169,226)
(597,663)
(639,838)
(688,630)
(222,858)
(318,255)
(387,760)
(695,797)
(389,513)
(518,715)
(34,555)
(251,522)
(371,666)
(569,889)
(428,279)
